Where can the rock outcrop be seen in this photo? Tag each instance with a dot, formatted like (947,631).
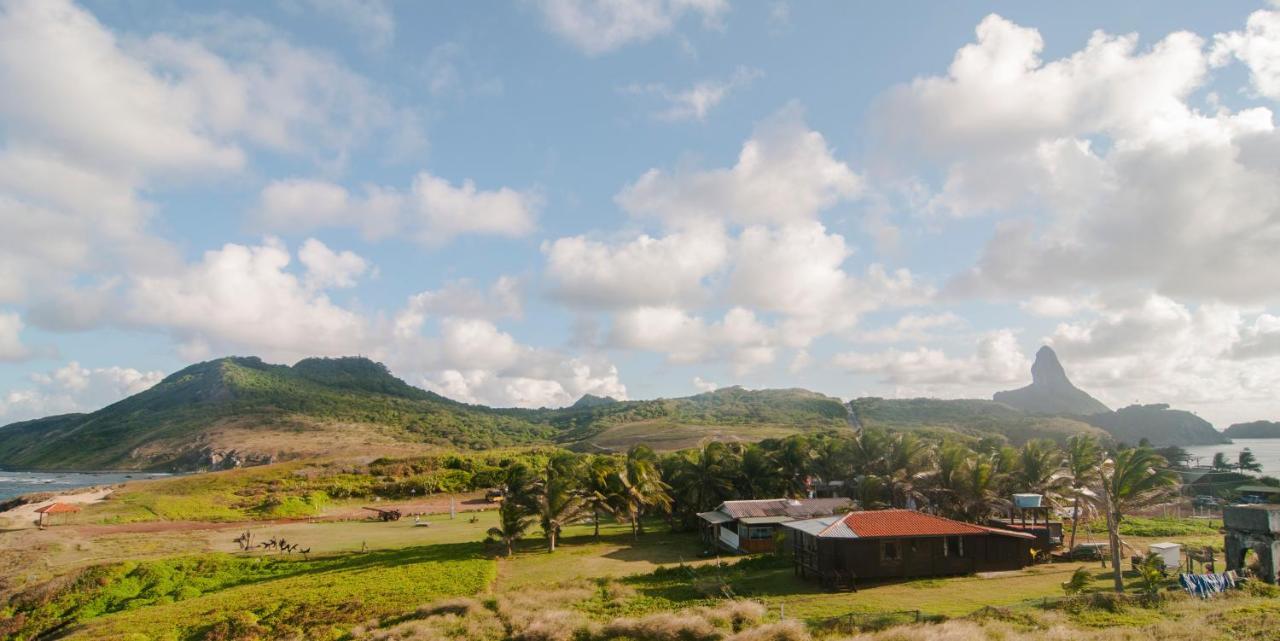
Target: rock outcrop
(1050,391)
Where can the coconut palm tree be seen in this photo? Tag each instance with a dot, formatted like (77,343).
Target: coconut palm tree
(758,475)
(642,486)
(794,458)
(518,504)
(1130,479)
(1247,462)
(706,476)
(980,491)
(1083,456)
(560,498)
(602,488)
(907,466)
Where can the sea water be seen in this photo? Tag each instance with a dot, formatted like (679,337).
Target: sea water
(1266,450)
(14,483)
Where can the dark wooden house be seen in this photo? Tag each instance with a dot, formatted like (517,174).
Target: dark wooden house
(841,550)
(750,526)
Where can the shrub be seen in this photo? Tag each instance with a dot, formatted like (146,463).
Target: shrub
(1077,583)
(662,627)
(790,630)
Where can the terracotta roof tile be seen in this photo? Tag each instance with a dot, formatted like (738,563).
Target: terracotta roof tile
(888,523)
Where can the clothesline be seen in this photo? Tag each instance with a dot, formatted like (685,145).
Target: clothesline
(1206,585)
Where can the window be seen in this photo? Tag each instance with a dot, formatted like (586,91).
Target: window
(890,551)
(954,547)
(759,533)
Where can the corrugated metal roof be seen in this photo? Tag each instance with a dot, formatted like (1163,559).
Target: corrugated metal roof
(714,517)
(812,526)
(794,508)
(58,508)
(893,523)
(764,520)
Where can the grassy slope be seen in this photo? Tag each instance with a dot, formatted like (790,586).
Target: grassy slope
(972,417)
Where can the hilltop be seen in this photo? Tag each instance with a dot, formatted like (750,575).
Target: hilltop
(1254,429)
(1050,391)
(240,411)
(1158,425)
(972,417)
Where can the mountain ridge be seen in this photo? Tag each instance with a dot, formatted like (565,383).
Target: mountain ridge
(1050,391)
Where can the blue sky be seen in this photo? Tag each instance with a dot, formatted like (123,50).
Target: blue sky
(517,204)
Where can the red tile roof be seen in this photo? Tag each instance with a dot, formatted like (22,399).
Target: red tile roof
(896,523)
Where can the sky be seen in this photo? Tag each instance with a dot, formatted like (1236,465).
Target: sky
(520,203)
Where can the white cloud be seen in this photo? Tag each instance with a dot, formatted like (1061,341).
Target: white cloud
(1056,306)
(997,360)
(913,328)
(1258,47)
(1212,358)
(327,268)
(11,347)
(704,385)
(433,211)
(1126,184)
(600,26)
(740,338)
(73,388)
(785,172)
(460,299)
(242,297)
(696,101)
(446,211)
(644,271)
(301,205)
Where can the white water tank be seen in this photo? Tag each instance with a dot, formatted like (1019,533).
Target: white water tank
(1171,553)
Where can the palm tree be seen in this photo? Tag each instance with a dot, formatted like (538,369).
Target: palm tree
(1083,456)
(1130,479)
(907,465)
(642,486)
(1220,461)
(602,488)
(518,503)
(758,475)
(795,460)
(1247,462)
(1039,468)
(707,475)
(980,491)
(560,499)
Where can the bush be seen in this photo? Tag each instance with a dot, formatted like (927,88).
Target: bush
(661,627)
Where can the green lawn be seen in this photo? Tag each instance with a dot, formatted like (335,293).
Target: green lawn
(180,599)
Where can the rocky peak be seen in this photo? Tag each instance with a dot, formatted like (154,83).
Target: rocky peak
(1047,370)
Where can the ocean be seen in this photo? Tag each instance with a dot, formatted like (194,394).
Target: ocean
(14,483)
(1266,450)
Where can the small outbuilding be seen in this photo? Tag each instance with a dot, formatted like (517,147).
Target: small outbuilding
(750,526)
(52,509)
(838,551)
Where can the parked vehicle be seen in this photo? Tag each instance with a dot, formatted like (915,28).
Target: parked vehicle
(1084,552)
(1204,500)
(493,496)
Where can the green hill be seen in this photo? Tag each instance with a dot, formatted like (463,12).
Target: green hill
(1158,425)
(967,416)
(1254,429)
(239,411)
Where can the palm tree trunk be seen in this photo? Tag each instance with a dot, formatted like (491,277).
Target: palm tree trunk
(1113,532)
(551,539)
(1075,522)
(597,513)
(510,547)
(635,521)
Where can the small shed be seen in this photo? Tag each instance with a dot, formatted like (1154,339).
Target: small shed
(1170,553)
(48,511)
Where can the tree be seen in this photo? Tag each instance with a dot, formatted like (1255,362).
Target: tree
(907,465)
(795,460)
(980,489)
(758,474)
(1130,479)
(1247,462)
(1083,456)
(560,498)
(705,476)
(518,503)
(1220,461)
(602,488)
(642,486)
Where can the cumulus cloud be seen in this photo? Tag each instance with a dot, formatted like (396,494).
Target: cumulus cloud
(785,172)
(1258,47)
(445,210)
(327,268)
(1127,183)
(601,26)
(740,338)
(914,328)
(11,347)
(1211,357)
(243,296)
(591,273)
(696,101)
(73,388)
(432,211)
(923,371)
(460,299)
